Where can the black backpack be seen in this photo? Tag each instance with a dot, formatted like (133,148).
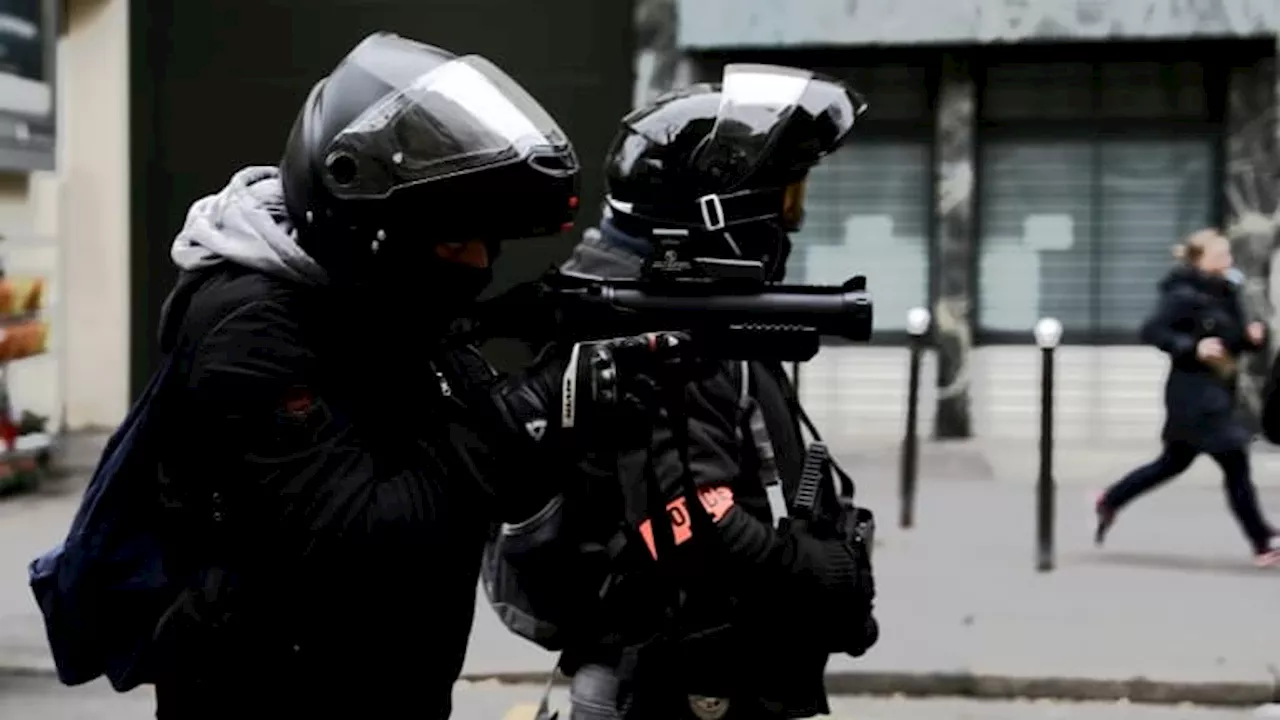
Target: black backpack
(104,589)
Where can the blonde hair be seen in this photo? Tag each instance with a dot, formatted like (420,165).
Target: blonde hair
(1193,246)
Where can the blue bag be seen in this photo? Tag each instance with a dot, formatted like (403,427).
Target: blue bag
(104,589)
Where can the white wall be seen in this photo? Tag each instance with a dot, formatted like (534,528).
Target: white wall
(93,209)
(1108,414)
(72,228)
(1105,395)
(769,23)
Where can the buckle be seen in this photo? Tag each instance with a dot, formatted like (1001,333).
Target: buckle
(711,208)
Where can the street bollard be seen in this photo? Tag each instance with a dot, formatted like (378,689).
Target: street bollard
(918,320)
(1048,334)
(795,378)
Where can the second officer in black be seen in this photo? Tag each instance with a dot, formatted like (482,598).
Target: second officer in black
(716,170)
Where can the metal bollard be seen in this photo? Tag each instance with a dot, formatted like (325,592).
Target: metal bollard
(918,320)
(1048,334)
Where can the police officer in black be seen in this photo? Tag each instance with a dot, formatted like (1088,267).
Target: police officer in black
(334,457)
(721,169)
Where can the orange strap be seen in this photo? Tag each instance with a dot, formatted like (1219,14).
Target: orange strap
(715,500)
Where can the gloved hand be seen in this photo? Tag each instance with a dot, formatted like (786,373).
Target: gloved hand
(596,396)
(857,525)
(622,385)
(532,455)
(863,641)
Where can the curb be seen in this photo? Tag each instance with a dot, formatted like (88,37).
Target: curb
(23,671)
(948,684)
(1004,687)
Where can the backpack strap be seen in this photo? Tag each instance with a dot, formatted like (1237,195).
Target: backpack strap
(175,308)
(753,427)
(207,503)
(172,313)
(789,390)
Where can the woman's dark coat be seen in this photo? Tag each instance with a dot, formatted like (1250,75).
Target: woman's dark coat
(1199,399)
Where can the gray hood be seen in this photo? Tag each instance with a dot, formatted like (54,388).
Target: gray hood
(246,224)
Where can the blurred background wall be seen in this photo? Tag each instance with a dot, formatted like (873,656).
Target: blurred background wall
(1020,158)
(216,85)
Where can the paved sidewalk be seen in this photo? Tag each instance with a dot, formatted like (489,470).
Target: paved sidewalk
(1171,611)
(1017,461)
(23,698)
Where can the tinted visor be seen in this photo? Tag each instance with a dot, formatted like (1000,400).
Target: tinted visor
(463,116)
(775,117)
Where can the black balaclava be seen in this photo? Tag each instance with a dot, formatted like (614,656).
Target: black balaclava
(424,282)
(391,326)
(403,283)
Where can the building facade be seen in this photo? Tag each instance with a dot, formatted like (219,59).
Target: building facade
(1019,159)
(70,225)
(158,103)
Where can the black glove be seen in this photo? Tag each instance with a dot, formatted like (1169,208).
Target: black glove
(533,454)
(858,527)
(597,396)
(866,639)
(621,386)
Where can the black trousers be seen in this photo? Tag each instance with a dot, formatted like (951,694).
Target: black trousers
(1173,461)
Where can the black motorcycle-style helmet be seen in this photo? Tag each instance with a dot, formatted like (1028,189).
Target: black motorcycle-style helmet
(405,145)
(729,160)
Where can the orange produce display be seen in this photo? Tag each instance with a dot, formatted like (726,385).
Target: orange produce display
(23,340)
(20,295)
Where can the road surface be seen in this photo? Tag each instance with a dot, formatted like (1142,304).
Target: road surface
(45,699)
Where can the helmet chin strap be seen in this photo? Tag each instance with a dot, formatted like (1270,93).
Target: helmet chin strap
(777,250)
(733,245)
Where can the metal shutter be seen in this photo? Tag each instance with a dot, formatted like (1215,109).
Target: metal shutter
(1081,230)
(1035,247)
(1153,192)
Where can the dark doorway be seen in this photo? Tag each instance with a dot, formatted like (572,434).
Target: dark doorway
(216,86)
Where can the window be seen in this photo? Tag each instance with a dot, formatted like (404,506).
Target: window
(1095,91)
(1153,193)
(1089,172)
(1082,230)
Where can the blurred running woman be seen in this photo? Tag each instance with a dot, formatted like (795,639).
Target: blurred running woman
(1201,324)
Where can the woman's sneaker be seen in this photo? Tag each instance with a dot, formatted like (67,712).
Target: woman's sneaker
(1271,556)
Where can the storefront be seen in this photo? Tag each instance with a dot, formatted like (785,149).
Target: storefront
(1007,176)
(1088,171)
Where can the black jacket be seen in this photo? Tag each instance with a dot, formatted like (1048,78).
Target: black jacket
(324,500)
(1200,401)
(799,597)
